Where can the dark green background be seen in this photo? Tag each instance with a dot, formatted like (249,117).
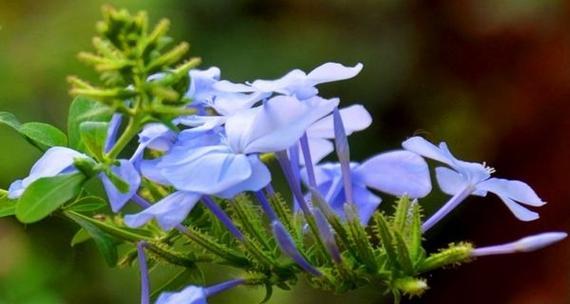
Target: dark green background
(492,78)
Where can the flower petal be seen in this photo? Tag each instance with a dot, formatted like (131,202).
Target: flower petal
(319,149)
(354,118)
(397,173)
(127,172)
(518,210)
(168,212)
(332,71)
(189,295)
(426,149)
(53,162)
(206,170)
(513,189)
(366,202)
(276,125)
(259,178)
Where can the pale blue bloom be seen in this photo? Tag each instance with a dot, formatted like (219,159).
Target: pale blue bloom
(59,160)
(204,93)
(296,83)
(55,161)
(397,173)
(189,295)
(128,173)
(462,179)
(355,118)
(197,295)
(526,244)
(224,162)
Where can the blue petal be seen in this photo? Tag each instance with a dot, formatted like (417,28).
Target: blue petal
(16,189)
(397,173)
(513,189)
(201,82)
(319,148)
(168,212)
(201,123)
(228,104)
(189,295)
(519,211)
(206,170)
(451,182)
(55,160)
(127,172)
(259,178)
(355,118)
(332,71)
(366,203)
(151,170)
(155,136)
(282,85)
(276,125)
(426,149)
(112,131)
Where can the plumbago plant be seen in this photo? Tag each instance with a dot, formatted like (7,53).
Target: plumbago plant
(199,176)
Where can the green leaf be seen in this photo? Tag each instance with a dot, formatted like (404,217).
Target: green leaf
(7,206)
(93,135)
(268,293)
(84,109)
(187,276)
(46,194)
(385,235)
(401,214)
(9,120)
(80,236)
(105,242)
(41,135)
(118,232)
(415,234)
(87,204)
(403,253)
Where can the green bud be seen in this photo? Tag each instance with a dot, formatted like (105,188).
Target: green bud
(411,286)
(455,254)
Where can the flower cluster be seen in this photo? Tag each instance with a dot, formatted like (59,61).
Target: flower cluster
(196,168)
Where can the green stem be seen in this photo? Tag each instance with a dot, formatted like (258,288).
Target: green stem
(214,247)
(132,129)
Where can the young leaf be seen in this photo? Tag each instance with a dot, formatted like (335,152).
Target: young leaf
(93,134)
(10,120)
(109,228)
(79,237)
(46,194)
(84,109)
(386,238)
(87,204)
(401,214)
(43,135)
(105,242)
(403,253)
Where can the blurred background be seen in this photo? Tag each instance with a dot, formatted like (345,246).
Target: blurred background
(492,78)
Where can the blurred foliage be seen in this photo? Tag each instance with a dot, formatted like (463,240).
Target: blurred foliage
(492,79)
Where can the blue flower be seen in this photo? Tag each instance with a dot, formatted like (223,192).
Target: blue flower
(296,83)
(320,134)
(55,161)
(526,244)
(204,92)
(224,161)
(189,295)
(197,295)
(462,179)
(59,160)
(397,173)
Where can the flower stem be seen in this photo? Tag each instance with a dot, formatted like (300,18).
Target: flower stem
(453,202)
(132,129)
